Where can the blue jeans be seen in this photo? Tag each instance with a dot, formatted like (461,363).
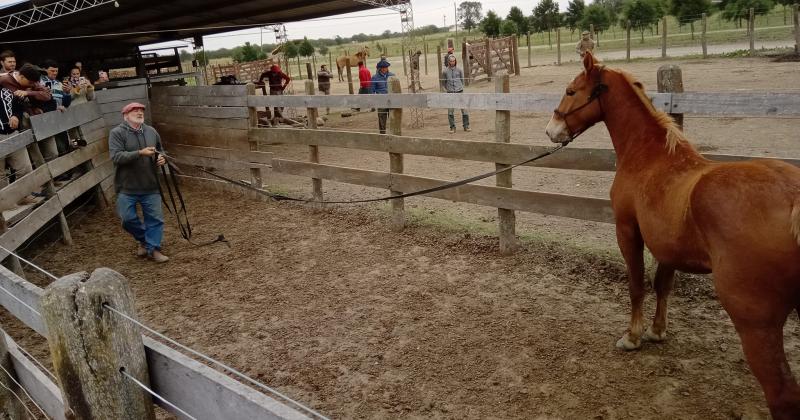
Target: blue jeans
(148,232)
(451,117)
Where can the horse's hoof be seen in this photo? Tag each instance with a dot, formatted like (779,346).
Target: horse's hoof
(626,344)
(649,335)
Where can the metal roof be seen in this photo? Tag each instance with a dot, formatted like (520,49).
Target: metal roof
(109,30)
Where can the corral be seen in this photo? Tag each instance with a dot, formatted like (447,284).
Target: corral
(340,311)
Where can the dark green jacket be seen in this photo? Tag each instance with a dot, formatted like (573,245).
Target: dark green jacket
(133,174)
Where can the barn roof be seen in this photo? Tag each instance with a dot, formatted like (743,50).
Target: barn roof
(138,22)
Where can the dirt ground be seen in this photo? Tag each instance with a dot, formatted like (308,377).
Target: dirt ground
(338,311)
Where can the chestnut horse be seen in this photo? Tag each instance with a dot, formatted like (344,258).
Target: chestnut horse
(739,221)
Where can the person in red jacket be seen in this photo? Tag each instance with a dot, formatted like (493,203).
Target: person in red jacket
(364,78)
(277,82)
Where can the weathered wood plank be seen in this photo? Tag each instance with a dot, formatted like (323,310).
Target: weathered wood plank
(225,154)
(27,227)
(205,393)
(75,158)
(100,134)
(26,292)
(33,181)
(199,111)
(50,123)
(576,207)
(222,138)
(120,94)
(340,101)
(218,90)
(197,100)
(116,106)
(44,391)
(14,142)
(736,104)
(88,180)
(93,125)
(235,123)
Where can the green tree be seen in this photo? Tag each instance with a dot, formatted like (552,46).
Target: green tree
(470,14)
(786,3)
(490,25)
(597,15)
(641,13)
(546,17)
(738,10)
(338,40)
(613,9)
(508,28)
(689,11)
(323,49)
(521,22)
(290,49)
(305,49)
(248,52)
(574,14)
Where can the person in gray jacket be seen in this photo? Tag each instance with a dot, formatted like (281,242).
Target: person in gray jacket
(133,147)
(453,80)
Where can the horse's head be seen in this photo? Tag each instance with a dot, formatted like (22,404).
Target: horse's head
(365,50)
(580,107)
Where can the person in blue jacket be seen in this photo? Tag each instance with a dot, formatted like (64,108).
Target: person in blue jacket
(380,84)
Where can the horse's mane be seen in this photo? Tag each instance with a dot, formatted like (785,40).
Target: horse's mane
(674,135)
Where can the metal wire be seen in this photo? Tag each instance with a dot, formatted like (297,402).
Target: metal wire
(35,360)
(153,393)
(25,406)
(20,301)
(29,263)
(214,361)
(26,393)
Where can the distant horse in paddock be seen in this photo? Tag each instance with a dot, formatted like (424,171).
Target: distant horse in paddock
(341,62)
(739,221)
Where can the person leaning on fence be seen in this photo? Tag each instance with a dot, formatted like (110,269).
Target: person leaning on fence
(278,81)
(453,81)
(80,88)
(364,78)
(134,148)
(380,84)
(585,44)
(324,79)
(19,162)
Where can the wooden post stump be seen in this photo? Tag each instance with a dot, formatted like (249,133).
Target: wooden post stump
(91,346)
(349,76)
(558,47)
(396,159)
(528,41)
(670,80)
(313,150)
(515,54)
(502,129)
(255,173)
(664,37)
(488,60)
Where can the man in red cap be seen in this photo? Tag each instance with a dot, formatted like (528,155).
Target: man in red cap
(133,147)
(277,81)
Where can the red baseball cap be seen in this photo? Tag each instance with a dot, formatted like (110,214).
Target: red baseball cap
(131,106)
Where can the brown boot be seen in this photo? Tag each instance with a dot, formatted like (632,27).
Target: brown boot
(157,256)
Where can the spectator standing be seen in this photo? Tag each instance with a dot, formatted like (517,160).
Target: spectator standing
(324,79)
(585,44)
(450,52)
(134,148)
(415,71)
(380,84)
(8,61)
(59,145)
(453,80)
(364,78)
(79,87)
(278,81)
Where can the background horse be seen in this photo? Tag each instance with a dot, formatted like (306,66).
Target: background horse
(739,221)
(361,55)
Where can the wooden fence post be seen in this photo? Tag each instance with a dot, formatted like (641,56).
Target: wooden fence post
(664,37)
(396,159)
(703,38)
(558,46)
(309,72)
(425,46)
(670,80)
(488,60)
(11,261)
(91,346)
(502,132)
(299,69)
(313,150)
(330,61)
(439,59)
(515,52)
(101,201)
(751,30)
(628,40)
(528,41)
(37,159)
(796,14)
(349,76)
(10,406)
(255,173)
(404,53)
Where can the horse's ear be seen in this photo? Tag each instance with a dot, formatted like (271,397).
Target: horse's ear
(588,62)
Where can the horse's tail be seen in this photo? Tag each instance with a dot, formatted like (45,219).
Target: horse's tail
(795,220)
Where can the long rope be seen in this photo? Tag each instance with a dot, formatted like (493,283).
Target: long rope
(214,361)
(153,393)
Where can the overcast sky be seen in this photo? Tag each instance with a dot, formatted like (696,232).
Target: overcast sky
(374,21)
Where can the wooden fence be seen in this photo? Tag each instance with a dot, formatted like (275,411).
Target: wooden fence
(487,57)
(88,355)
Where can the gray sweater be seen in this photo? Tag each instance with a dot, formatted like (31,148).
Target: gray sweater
(453,79)
(133,174)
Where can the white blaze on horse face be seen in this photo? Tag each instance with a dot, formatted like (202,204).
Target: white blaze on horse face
(557,130)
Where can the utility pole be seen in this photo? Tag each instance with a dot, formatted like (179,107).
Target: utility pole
(455,13)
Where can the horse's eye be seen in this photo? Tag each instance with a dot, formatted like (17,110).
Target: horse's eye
(570,92)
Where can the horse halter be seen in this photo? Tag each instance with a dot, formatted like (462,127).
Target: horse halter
(599,88)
